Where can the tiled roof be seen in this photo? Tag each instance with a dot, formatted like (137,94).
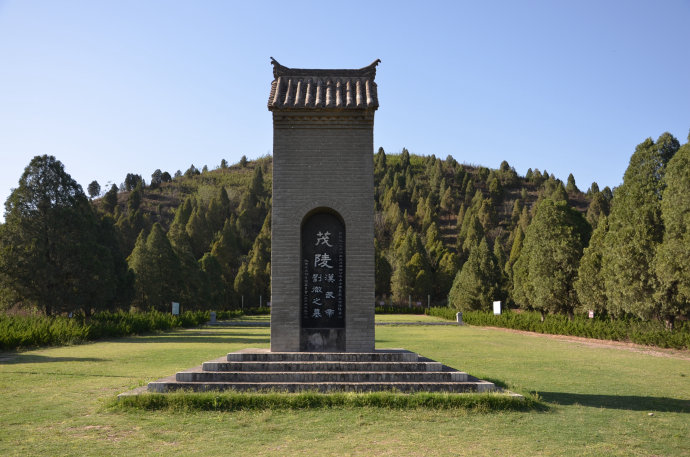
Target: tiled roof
(299,89)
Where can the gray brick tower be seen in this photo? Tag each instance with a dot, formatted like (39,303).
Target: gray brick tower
(322,237)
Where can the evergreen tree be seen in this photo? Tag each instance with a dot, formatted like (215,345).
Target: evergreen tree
(134,199)
(213,291)
(517,209)
(94,189)
(445,273)
(110,199)
(590,286)
(672,262)
(244,285)
(156,269)
(259,266)
(598,208)
(199,232)
(405,270)
(156,178)
(635,231)
(477,284)
(384,271)
(50,252)
(571,188)
(544,273)
(227,249)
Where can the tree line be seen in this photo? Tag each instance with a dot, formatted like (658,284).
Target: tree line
(449,233)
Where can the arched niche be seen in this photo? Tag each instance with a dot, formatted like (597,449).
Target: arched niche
(322,281)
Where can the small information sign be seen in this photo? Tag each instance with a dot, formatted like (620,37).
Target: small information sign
(175,308)
(497,307)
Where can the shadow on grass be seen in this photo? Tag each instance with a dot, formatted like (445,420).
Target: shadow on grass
(628,402)
(10,359)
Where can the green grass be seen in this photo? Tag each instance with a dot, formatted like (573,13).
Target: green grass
(240,401)
(249,318)
(407,318)
(55,401)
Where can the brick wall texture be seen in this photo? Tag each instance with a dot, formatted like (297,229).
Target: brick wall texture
(322,160)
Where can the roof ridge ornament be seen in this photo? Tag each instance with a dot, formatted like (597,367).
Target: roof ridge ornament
(281,70)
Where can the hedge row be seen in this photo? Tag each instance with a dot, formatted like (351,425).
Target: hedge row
(631,330)
(37,330)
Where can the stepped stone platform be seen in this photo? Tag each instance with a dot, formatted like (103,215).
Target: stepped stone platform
(383,370)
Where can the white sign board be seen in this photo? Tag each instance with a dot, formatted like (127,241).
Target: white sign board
(591,314)
(497,307)
(175,308)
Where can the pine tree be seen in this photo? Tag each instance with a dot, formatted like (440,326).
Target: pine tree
(94,189)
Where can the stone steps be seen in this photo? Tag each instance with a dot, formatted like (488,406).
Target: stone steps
(453,387)
(384,355)
(262,370)
(322,366)
(319,376)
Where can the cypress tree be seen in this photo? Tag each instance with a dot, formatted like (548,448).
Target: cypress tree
(477,284)
(544,273)
(672,262)
(635,231)
(110,200)
(140,264)
(590,286)
(213,291)
(199,232)
(383,273)
(570,187)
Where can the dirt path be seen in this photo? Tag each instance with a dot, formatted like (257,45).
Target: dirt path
(591,342)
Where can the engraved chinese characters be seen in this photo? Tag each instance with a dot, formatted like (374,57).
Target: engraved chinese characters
(323,272)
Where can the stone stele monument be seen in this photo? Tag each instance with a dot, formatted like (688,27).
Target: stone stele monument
(322,255)
(322,237)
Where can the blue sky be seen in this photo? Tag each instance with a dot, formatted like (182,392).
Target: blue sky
(117,87)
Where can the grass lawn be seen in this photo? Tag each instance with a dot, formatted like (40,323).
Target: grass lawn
(383,318)
(599,401)
(408,318)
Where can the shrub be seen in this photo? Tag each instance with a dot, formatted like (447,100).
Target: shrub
(38,330)
(631,329)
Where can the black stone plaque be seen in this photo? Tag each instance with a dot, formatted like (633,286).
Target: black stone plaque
(323,272)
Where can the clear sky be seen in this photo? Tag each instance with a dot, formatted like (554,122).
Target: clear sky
(117,87)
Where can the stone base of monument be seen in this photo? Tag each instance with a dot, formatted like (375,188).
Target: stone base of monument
(382,370)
